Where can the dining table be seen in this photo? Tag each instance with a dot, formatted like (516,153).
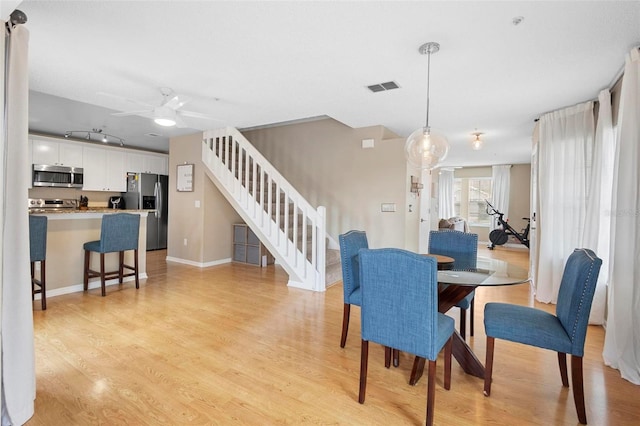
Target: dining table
(454,286)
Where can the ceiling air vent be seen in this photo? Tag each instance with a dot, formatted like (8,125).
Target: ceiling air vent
(381,87)
(152,135)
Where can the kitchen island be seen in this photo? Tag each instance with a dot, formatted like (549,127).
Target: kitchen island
(67,231)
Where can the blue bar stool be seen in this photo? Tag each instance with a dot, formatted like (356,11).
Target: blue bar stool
(38,253)
(118,233)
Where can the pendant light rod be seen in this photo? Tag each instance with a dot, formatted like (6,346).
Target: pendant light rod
(428,49)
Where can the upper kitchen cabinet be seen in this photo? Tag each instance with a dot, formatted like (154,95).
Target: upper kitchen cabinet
(53,153)
(104,170)
(147,163)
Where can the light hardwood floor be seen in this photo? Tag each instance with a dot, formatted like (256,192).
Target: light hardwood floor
(232,344)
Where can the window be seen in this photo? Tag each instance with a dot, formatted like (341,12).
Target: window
(469,195)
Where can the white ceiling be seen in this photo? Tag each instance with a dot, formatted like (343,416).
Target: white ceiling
(258,63)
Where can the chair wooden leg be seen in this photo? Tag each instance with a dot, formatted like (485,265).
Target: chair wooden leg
(387,356)
(396,357)
(578,388)
(120,266)
(417,370)
(431,392)
(87,257)
(43,284)
(488,366)
(364,360)
(471,312)
(448,349)
(33,284)
(463,323)
(345,324)
(135,264)
(562,363)
(102,277)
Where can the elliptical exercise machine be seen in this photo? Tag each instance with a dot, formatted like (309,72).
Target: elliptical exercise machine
(500,235)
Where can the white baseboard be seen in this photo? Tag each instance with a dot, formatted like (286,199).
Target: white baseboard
(77,288)
(198,264)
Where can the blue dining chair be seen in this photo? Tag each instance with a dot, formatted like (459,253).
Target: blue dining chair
(350,243)
(564,332)
(400,310)
(38,253)
(118,233)
(463,248)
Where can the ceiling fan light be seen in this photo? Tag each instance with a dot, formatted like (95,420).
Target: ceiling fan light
(164,116)
(166,122)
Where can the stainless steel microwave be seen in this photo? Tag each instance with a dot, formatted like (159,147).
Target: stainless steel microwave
(57,176)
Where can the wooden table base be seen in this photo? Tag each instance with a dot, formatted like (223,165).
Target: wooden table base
(447,298)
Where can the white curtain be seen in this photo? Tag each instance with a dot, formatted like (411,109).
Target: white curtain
(445,194)
(500,192)
(564,157)
(622,339)
(598,217)
(18,366)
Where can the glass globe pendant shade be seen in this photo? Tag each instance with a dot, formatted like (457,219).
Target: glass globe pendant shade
(425,149)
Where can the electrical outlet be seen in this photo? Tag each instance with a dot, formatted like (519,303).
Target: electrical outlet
(185,241)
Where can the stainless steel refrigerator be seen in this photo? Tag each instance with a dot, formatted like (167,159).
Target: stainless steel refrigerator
(150,192)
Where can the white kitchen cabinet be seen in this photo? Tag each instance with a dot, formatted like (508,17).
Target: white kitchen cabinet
(54,153)
(135,162)
(157,163)
(104,170)
(147,163)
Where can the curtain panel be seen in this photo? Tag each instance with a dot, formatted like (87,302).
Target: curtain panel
(598,215)
(445,194)
(501,177)
(565,150)
(18,354)
(622,338)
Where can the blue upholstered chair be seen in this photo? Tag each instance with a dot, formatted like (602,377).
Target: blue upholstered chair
(564,332)
(118,233)
(38,253)
(463,248)
(350,243)
(400,310)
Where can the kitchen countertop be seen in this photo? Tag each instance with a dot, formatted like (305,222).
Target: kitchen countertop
(90,213)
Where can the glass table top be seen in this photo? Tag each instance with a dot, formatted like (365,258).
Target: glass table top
(489,272)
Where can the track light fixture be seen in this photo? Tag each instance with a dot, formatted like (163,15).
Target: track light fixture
(98,134)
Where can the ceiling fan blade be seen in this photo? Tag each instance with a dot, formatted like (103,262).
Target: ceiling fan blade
(180,124)
(175,102)
(144,113)
(124,99)
(193,114)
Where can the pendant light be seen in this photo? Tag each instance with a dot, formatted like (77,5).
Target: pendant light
(476,144)
(425,149)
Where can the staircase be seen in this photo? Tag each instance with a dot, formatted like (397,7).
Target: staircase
(289,227)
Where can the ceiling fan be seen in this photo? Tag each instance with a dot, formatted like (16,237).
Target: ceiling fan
(168,113)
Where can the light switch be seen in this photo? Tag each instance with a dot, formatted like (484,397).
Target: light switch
(197,204)
(367,143)
(388,207)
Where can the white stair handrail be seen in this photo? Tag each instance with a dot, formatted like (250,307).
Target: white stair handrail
(267,202)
